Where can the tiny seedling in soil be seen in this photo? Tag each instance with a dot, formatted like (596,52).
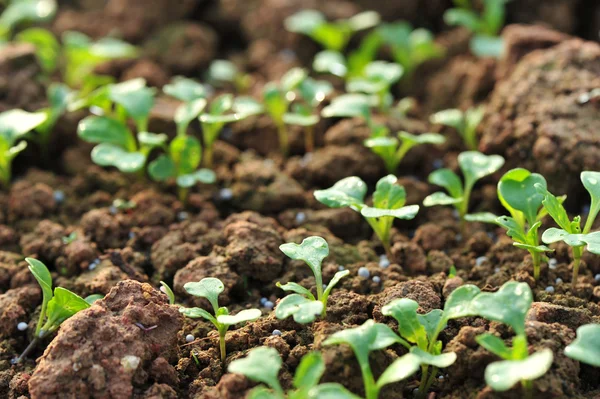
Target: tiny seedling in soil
(570,231)
(509,305)
(465,123)
(168,292)
(369,337)
(388,203)
(392,150)
(410,47)
(302,304)
(223,72)
(474,166)
(184,89)
(47,48)
(222,110)
(518,194)
(210,288)
(331,35)
(263,364)
(14,126)
(116,144)
(586,347)
(57,306)
(485,26)
(377,79)
(420,332)
(70,238)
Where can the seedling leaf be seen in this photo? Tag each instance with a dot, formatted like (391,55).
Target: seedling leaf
(348,192)
(309,371)
(205,176)
(261,365)
(42,275)
(209,288)
(586,347)
(509,305)
(495,345)
(312,250)
(303,310)
(400,369)
(100,129)
(106,154)
(63,305)
(240,317)
(404,310)
(447,179)
(297,288)
(460,302)
(501,376)
(441,361)
(440,198)
(185,89)
(475,165)
(332,62)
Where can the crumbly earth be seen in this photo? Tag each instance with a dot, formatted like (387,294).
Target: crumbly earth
(133,343)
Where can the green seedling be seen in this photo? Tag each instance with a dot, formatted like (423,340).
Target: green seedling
(388,203)
(20,11)
(586,347)
(570,230)
(210,288)
(420,333)
(377,79)
(474,166)
(509,305)
(331,35)
(82,54)
(518,194)
(392,150)
(181,162)
(277,98)
(222,72)
(410,47)
(263,364)
(168,292)
(57,306)
(59,96)
(370,337)
(70,238)
(222,110)
(14,126)
(47,48)
(123,205)
(304,113)
(117,145)
(302,304)
(485,26)
(185,89)
(465,123)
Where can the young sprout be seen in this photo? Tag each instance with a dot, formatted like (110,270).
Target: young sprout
(377,79)
(509,305)
(410,48)
(586,347)
(331,35)
(221,72)
(277,98)
(419,332)
(47,48)
(14,125)
(59,96)
(392,150)
(210,288)
(388,203)
(570,230)
(117,145)
(302,304)
(17,12)
(222,110)
(185,89)
(518,194)
(168,292)
(70,238)
(485,26)
(304,113)
(57,306)
(369,337)
(465,123)
(181,162)
(474,166)
(263,364)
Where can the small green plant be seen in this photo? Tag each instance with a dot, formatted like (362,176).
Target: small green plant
(302,304)
(168,292)
(222,72)
(263,365)
(570,230)
(20,11)
(331,35)
(47,48)
(410,47)
(509,305)
(586,347)
(486,26)
(70,238)
(377,79)
(465,123)
(222,110)
(14,126)
(392,150)
(369,337)
(420,332)
(474,166)
(185,89)
(117,145)
(59,96)
(57,306)
(388,203)
(210,288)
(518,194)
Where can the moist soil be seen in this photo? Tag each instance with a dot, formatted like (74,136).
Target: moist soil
(133,343)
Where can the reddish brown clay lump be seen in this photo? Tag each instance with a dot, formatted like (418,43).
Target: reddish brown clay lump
(112,348)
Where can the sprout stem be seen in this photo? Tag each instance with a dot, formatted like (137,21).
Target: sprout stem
(29,348)
(527,389)
(576,262)
(182,193)
(536,265)
(283,139)
(222,332)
